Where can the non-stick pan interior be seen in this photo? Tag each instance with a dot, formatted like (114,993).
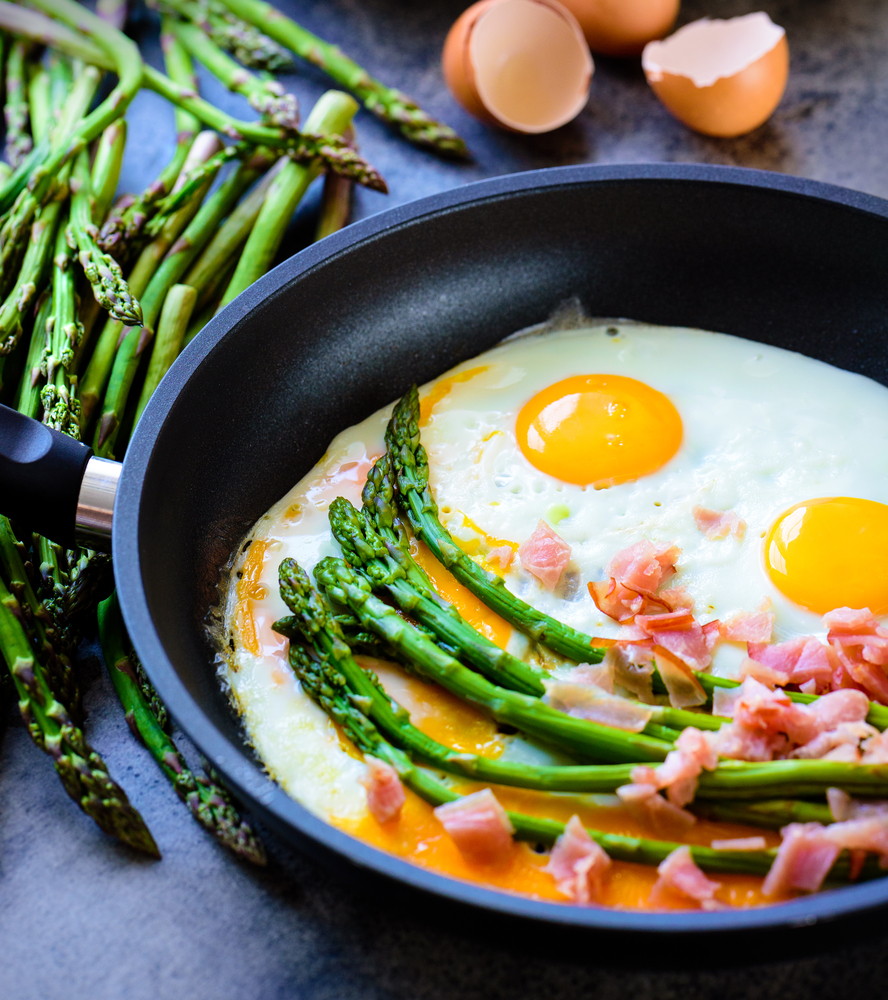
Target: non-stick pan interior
(347,326)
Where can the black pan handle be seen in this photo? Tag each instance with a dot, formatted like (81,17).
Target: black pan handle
(41,471)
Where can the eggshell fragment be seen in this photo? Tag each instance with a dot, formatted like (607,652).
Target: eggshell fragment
(520,64)
(623,27)
(721,78)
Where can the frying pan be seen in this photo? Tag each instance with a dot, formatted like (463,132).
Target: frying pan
(347,325)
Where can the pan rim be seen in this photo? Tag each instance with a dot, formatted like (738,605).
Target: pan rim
(242,773)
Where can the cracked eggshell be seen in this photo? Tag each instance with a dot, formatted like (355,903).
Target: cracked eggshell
(720,77)
(522,65)
(623,27)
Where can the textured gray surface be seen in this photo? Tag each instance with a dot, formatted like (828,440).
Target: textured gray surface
(81,917)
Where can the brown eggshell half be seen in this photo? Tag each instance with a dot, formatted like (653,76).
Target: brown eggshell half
(522,65)
(623,27)
(732,105)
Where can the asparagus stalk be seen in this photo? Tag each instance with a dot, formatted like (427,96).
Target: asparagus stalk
(275,106)
(335,206)
(27,398)
(101,270)
(17,112)
(61,407)
(247,44)
(106,169)
(534,829)
(208,802)
(115,12)
(124,227)
(114,333)
(411,467)
(332,113)
(83,773)
(772,813)
(344,586)
(39,103)
(386,103)
(177,308)
(223,247)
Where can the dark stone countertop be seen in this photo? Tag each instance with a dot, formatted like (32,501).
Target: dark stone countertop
(82,917)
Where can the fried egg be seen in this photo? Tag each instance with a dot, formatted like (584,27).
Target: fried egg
(610,433)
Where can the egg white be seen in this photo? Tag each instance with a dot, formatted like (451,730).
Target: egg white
(763,428)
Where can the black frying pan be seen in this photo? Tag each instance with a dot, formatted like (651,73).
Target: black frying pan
(347,325)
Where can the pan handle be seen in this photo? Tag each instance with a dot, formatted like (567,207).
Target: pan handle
(53,484)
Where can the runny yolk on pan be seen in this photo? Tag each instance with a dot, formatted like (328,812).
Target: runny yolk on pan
(831,553)
(598,430)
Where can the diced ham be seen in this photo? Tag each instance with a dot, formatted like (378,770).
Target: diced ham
(683,688)
(846,734)
(846,705)
(803,860)
(479,826)
(748,626)
(633,668)
(642,566)
(781,656)
(587,701)
(678,774)
(578,864)
(843,807)
(724,701)
(595,674)
(679,634)
(740,844)
(860,646)
(676,598)
(875,750)
(678,873)
(718,523)
(545,554)
(645,804)
(385,793)
(763,674)
(863,833)
(503,555)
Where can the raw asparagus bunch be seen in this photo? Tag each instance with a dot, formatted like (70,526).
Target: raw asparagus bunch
(81,770)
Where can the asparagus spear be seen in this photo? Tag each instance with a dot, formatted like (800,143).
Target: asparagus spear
(335,206)
(39,103)
(122,230)
(275,106)
(535,829)
(113,11)
(344,586)
(205,272)
(106,169)
(411,467)
(17,112)
(208,802)
(61,407)
(332,113)
(27,398)
(114,333)
(247,44)
(83,773)
(101,270)
(134,341)
(392,106)
(177,308)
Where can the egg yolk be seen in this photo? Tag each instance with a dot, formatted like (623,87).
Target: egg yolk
(831,553)
(599,430)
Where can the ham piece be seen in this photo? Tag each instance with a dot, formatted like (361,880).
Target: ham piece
(740,844)
(860,645)
(798,661)
(647,805)
(679,874)
(678,774)
(385,793)
(803,860)
(545,554)
(578,864)
(588,701)
(680,634)
(718,523)
(479,826)
(633,578)
(748,626)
